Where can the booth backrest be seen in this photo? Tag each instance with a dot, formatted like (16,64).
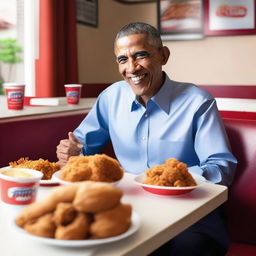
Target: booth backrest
(35,137)
(241,205)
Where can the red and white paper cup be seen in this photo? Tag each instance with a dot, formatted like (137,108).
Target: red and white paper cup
(73,93)
(15,95)
(19,190)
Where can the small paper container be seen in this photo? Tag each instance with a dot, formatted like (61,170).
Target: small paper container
(73,93)
(15,95)
(19,191)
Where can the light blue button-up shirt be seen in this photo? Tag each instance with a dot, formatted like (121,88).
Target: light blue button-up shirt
(181,121)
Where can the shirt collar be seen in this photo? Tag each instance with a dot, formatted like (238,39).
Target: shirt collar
(135,103)
(163,97)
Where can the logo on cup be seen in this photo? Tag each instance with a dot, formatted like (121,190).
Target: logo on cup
(72,93)
(21,194)
(15,95)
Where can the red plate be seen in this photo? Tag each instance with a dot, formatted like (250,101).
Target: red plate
(163,190)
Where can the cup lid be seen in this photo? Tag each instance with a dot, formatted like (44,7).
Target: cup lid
(13,84)
(73,85)
(36,175)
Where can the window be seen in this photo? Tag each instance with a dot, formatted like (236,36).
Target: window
(21,20)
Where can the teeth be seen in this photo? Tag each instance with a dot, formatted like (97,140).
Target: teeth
(136,79)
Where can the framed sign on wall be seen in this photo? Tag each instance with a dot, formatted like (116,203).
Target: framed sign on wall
(87,12)
(135,1)
(180,19)
(226,17)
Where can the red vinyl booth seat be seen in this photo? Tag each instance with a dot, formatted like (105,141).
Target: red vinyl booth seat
(241,205)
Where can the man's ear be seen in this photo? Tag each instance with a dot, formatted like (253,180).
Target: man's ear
(166,54)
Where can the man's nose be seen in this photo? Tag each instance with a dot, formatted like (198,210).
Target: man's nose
(132,66)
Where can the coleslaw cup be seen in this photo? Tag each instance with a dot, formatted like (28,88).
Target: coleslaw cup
(15,95)
(19,190)
(73,93)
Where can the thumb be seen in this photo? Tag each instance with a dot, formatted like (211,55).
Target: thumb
(74,139)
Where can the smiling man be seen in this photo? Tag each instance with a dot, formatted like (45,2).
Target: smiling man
(149,118)
(140,63)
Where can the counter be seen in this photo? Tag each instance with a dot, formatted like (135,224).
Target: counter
(29,111)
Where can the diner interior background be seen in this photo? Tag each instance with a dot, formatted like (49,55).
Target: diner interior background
(72,52)
(215,60)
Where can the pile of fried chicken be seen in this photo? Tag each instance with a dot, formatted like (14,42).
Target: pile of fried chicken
(46,167)
(85,210)
(98,167)
(172,173)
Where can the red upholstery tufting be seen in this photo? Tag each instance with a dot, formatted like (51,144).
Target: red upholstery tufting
(241,206)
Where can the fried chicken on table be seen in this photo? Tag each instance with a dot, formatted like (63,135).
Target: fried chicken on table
(84,210)
(98,167)
(172,173)
(46,167)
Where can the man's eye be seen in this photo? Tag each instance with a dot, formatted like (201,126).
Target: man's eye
(121,60)
(142,55)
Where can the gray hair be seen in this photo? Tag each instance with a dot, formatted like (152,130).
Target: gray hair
(141,28)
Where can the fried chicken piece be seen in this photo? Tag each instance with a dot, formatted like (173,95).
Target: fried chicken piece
(46,167)
(43,226)
(37,209)
(172,173)
(92,197)
(77,169)
(77,229)
(186,178)
(112,222)
(64,214)
(99,167)
(105,168)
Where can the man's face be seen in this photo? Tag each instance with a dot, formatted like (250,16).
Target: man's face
(140,64)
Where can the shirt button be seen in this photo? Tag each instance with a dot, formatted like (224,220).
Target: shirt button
(144,138)
(146,115)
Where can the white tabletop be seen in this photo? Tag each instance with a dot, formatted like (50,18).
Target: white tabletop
(162,217)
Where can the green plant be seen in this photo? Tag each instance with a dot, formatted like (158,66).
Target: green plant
(9,50)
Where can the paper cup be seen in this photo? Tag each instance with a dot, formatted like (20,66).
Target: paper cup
(15,95)
(73,93)
(19,185)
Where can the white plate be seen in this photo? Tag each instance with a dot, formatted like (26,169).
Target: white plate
(85,243)
(50,182)
(56,178)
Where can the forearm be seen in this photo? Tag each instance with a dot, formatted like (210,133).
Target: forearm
(217,164)
(219,172)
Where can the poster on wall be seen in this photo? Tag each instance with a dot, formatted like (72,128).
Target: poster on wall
(180,19)
(230,17)
(135,1)
(87,12)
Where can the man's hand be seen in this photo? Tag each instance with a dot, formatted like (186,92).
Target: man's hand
(67,148)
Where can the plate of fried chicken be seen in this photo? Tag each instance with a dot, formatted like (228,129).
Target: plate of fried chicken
(81,214)
(98,167)
(46,167)
(170,178)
